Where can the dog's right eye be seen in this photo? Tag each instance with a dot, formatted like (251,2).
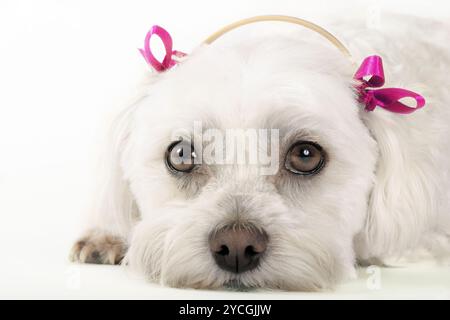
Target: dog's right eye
(180,156)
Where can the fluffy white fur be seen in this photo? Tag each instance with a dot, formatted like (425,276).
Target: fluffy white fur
(383,193)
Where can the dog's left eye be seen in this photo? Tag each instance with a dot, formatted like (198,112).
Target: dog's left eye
(180,156)
(305,158)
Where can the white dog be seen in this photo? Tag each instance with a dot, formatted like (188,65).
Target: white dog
(348,186)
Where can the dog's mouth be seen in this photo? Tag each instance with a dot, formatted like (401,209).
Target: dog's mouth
(237,285)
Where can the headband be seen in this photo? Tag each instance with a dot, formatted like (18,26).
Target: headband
(371,68)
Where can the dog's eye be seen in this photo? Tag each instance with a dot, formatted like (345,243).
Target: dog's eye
(180,156)
(305,158)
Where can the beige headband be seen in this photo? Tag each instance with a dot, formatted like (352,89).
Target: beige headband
(309,25)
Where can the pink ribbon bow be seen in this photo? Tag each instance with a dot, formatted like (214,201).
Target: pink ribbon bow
(372,66)
(387,98)
(168,61)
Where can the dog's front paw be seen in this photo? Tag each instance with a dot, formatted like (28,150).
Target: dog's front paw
(100,248)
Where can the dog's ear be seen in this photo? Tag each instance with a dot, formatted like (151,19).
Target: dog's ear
(401,201)
(115,210)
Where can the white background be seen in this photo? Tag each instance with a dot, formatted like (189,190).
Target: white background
(66,67)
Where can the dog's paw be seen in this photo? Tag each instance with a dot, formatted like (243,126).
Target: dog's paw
(98,248)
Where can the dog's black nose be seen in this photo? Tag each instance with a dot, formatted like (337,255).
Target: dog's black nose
(238,248)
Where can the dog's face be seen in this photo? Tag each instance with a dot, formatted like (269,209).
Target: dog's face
(288,223)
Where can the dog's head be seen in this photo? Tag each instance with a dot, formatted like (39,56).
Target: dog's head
(223,202)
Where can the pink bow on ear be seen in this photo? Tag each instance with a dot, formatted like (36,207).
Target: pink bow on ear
(387,98)
(168,61)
